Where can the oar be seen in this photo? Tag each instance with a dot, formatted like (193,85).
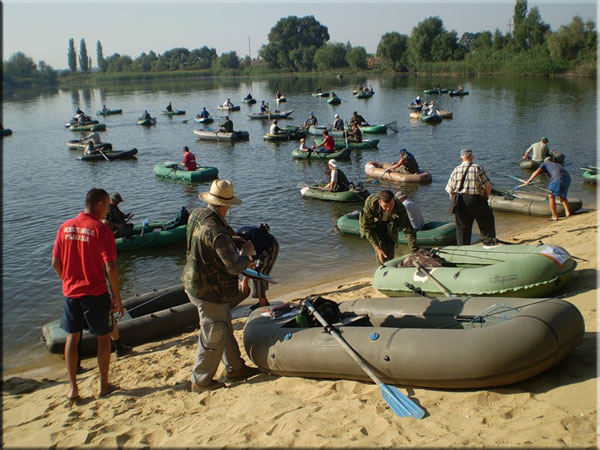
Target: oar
(422,268)
(381,176)
(393,126)
(102,153)
(144,223)
(589,168)
(529,184)
(400,403)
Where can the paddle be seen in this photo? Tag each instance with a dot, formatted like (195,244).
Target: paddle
(381,176)
(422,268)
(400,403)
(529,184)
(102,153)
(589,168)
(144,223)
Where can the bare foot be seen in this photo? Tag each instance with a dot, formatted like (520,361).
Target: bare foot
(108,390)
(73,395)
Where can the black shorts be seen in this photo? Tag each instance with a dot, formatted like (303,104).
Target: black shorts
(91,312)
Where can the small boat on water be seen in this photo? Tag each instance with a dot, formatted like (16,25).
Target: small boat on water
(458,93)
(111,155)
(148,317)
(108,112)
(249,101)
(501,270)
(81,144)
(435,91)
(204,120)
(146,122)
(376,169)
(432,235)
(415,107)
(214,135)
(590,175)
(155,234)
(228,108)
(364,94)
(73,122)
(352,195)
(341,154)
(89,127)
(416,115)
(334,100)
(529,203)
(374,129)
(281,100)
(365,144)
(271,115)
(530,164)
(320,94)
(171,169)
(317,130)
(461,342)
(431,118)
(5,132)
(175,112)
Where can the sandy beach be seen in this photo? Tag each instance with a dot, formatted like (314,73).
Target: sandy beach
(154,407)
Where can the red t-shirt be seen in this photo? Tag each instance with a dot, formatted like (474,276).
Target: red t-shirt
(329,143)
(189,161)
(83,245)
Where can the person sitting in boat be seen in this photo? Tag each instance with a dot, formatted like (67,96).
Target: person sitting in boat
(116,219)
(338,182)
(560,180)
(406,164)
(145,115)
(358,119)
(359,88)
(432,109)
(338,124)
(355,134)
(90,150)
(328,143)
(311,121)
(437,87)
(248,97)
(370,90)
(417,100)
(189,159)
(94,137)
(414,213)
(460,88)
(540,150)
(228,104)
(318,90)
(169,108)
(305,148)
(274,128)
(227,126)
(104,108)
(204,114)
(264,107)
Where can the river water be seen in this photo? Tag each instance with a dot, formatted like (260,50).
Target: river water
(44,183)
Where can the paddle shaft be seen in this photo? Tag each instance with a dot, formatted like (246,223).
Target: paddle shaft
(381,176)
(529,184)
(422,268)
(105,157)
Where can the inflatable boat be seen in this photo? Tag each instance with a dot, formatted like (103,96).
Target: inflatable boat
(376,169)
(502,270)
(461,342)
(529,203)
(171,169)
(351,195)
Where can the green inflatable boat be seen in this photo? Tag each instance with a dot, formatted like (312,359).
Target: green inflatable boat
(320,94)
(447,343)
(175,112)
(109,112)
(435,91)
(289,133)
(364,145)
(317,130)
(5,132)
(364,94)
(529,203)
(352,195)
(434,234)
(374,129)
(91,127)
(146,122)
(341,154)
(170,169)
(109,155)
(590,174)
(155,234)
(502,270)
(431,118)
(334,101)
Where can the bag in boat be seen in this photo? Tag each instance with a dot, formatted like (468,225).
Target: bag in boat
(427,258)
(327,308)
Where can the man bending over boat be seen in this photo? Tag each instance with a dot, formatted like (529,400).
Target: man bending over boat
(210,278)
(560,180)
(380,221)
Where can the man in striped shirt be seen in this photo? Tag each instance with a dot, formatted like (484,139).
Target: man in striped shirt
(472,202)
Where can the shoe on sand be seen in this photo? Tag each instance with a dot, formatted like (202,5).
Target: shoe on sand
(214,384)
(241,374)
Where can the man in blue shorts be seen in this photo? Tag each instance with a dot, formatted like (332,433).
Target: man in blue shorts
(559,184)
(84,248)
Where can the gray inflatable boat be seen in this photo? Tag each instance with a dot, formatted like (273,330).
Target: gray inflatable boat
(468,342)
(529,203)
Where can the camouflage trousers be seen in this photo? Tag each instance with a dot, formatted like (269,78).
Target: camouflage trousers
(216,341)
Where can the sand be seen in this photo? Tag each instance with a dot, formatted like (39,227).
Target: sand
(155,409)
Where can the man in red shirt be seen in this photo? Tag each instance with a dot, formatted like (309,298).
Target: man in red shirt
(189,159)
(84,248)
(328,143)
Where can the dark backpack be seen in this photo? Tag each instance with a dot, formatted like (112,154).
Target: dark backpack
(327,308)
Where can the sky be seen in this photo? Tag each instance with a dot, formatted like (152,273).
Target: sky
(42,29)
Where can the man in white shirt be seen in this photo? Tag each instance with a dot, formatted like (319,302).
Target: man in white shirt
(414,213)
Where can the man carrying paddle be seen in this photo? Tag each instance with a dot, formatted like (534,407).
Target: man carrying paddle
(540,150)
(380,221)
(471,184)
(210,279)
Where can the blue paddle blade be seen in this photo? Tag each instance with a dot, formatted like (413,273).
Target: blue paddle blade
(400,403)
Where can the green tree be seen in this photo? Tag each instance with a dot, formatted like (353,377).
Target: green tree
(229,60)
(422,38)
(118,63)
(72,56)
(19,65)
(46,74)
(356,57)
(483,41)
(83,57)
(392,49)
(520,12)
(531,31)
(174,59)
(143,63)
(303,58)
(499,41)
(202,58)
(332,56)
(289,34)
(570,40)
(100,57)
(445,47)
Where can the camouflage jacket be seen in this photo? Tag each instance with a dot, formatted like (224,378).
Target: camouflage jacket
(205,276)
(371,223)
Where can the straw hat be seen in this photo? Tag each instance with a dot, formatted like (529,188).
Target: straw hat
(220,194)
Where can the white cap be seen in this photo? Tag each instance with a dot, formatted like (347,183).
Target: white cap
(337,116)
(333,163)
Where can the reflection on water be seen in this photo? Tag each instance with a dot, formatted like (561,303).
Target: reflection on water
(497,120)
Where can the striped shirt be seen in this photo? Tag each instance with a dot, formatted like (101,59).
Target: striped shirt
(476,181)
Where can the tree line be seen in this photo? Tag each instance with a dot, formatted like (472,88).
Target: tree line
(301,44)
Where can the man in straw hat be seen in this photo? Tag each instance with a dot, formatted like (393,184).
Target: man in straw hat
(210,278)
